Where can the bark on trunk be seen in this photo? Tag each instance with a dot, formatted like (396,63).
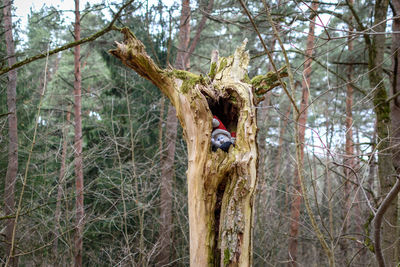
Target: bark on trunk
(220,184)
(78,144)
(349,150)
(295,209)
(12,167)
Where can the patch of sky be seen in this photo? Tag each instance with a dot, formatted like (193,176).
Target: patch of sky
(95,115)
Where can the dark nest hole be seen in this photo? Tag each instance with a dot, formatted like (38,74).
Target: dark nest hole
(227,110)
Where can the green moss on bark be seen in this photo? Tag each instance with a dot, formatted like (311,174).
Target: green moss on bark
(246,79)
(267,81)
(227,256)
(213,70)
(189,79)
(223,63)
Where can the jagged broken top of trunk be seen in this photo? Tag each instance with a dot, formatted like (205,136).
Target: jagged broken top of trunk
(133,54)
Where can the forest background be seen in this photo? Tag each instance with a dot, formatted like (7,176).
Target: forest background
(344,60)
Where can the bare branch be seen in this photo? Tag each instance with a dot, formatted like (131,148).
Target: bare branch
(133,54)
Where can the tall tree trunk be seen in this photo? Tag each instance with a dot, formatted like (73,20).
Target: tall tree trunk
(221,185)
(395,103)
(80,213)
(167,163)
(376,49)
(349,150)
(12,167)
(296,203)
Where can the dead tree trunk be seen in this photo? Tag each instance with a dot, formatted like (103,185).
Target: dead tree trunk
(221,184)
(12,167)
